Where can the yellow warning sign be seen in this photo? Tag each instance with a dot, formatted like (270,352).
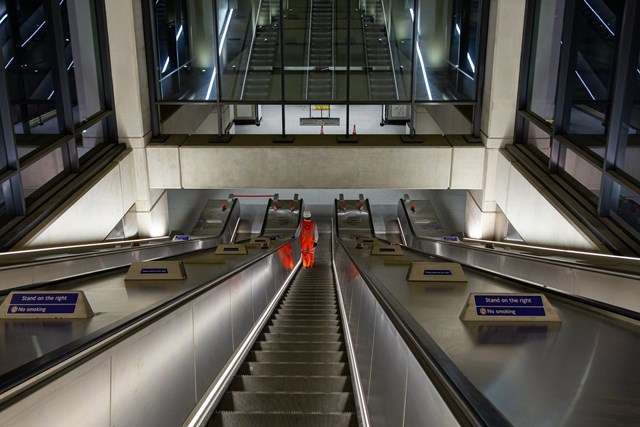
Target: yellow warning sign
(320,107)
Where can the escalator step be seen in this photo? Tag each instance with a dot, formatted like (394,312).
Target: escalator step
(299,346)
(291,384)
(287,402)
(235,419)
(303,337)
(276,322)
(297,356)
(303,316)
(294,368)
(303,329)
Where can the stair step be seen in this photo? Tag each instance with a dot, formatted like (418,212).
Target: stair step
(297,356)
(291,384)
(331,369)
(241,419)
(302,337)
(286,402)
(299,346)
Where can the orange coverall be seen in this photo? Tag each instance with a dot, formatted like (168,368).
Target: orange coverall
(307,241)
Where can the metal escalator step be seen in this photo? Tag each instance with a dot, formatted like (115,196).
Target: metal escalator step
(277,322)
(241,419)
(304,317)
(296,356)
(294,368)
(291,384)
(303,329)
(302,337)
(309,302)
(298,346)
(309,310)
(244,401)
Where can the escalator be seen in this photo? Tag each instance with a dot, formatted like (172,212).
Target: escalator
(381,79)
(297,372)
(320,58)
(257,84)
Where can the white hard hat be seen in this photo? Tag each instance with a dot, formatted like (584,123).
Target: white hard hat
(306,214)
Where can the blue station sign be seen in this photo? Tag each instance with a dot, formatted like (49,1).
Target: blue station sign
(511,305)
(429,272)
(42,303)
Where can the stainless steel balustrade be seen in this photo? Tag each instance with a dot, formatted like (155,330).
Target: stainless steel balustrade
(153,371)
(611,287)
(39,272)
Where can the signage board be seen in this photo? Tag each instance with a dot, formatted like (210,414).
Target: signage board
(509,307)
(435,272)
(46,305)
(156,270)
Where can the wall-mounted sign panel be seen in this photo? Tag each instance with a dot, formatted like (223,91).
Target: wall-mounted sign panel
(231,249)
(392,250)
(46,305)
(509,308)
(156,270)
(436,272)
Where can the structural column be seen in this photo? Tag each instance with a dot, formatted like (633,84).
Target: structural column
(504,46)
(126,38)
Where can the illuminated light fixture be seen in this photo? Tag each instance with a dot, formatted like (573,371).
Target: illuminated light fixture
(411,12)
(9,62)
(638,70)
(179,33)
(34,33)
(598,16)
(458,29)
(585,86)
(50,95)
(3,18)
(222,39)
(424,72)
(70,65)
(473,67)
(166,64)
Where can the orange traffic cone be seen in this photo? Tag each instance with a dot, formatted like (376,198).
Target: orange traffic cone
(321,129)
(354,129)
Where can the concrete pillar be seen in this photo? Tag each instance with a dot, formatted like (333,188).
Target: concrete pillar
(504,46)
(128,66)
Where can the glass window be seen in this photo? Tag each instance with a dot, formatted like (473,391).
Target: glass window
(42,171)
(448,36)
(545,56)
(628,208)
(82,59)
(632,153)
(582,171)
(591,80)
(90,138)
(538,139)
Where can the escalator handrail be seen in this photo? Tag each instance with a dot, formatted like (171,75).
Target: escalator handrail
(123,257)
(465,401)
(578,255)
(17,381)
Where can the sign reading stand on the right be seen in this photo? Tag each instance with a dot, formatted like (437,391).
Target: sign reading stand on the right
(528,308)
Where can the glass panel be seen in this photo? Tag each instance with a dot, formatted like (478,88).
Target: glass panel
(538,139)
(42,171)
(90,138)
(582,171)
(632,153)
(545,56)
(5,186)
(400,42)
(629,207)
(28,66)
(591,81)
(448,34)
(82,59)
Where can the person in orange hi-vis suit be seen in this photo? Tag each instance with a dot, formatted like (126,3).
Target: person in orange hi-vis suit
(308,232)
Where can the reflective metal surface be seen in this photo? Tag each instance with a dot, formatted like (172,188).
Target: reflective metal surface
(618,289)
(29,274)
(396,389)
(282,218)
(155,375)
(581,372)
(353,218)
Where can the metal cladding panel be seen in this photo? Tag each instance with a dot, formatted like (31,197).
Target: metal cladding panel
(261,276)
(387,389)
(80,398)
(241,306)
(364,345)
(356,303)
(153,374)
(423,405)
(213,343)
